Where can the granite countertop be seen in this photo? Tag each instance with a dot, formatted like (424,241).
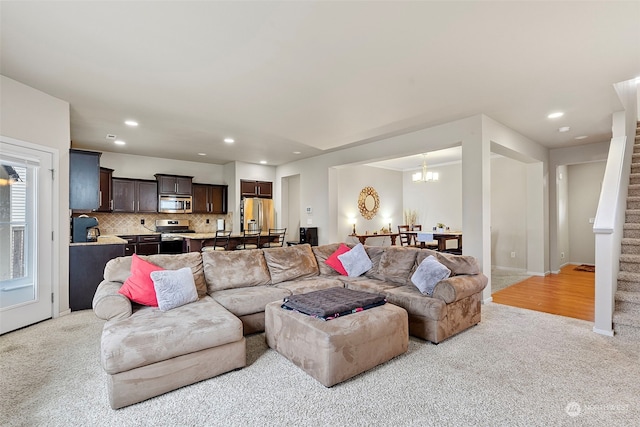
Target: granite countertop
(102,240)
(204,236)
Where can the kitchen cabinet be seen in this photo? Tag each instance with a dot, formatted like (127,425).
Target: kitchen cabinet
(209,198)
(174,185)
(256,189)
(144,244)
(84,180)
(105,190)
(86,270)
(132,195)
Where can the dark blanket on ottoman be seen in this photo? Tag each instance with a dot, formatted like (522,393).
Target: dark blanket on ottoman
(334,302)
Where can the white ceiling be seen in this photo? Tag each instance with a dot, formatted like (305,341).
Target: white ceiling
(312,76)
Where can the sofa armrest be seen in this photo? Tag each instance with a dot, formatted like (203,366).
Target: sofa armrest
(109,304)
(458,287)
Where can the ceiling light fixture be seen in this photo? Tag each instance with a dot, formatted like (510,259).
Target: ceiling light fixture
(119,142)
(229,140)
(202,154)
(263,162)
(581,137)
(424,175)
(555,115)
(132,123)
(564,129)
(296,152)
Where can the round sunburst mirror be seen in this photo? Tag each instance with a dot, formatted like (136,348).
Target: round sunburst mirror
(368,202)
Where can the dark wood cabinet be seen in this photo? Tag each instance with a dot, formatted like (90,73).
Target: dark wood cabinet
(174,184)
(86,270)
(144,244)
(256,189)
(105,190)
(131,195)
(209,198)
(84,180)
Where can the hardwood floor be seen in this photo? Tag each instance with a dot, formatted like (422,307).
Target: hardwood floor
(569,293)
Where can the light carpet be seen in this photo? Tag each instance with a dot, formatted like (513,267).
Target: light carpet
(516,368)
(503,278)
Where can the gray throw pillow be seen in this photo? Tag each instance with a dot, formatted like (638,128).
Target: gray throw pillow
(356,261)
(174,288)
(428,274)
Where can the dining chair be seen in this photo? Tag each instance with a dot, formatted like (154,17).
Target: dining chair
(220,242)
(249,240)
(276,238)
(405,239)
(415,227)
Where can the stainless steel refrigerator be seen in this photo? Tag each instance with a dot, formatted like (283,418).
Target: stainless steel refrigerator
(259,211)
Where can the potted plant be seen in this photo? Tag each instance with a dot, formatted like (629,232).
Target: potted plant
(440,227)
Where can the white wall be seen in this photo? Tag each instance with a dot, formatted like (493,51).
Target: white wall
(435,202)
(32,116)
(143,167)
(585,182)
(351,181)
(508,213)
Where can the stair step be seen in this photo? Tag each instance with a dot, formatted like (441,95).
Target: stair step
(628,296)
(634,190)
(632,215)
(634,201)
(630,245)
(628,281)
(636,146)
(630,262)
(634,178)
(635,167)
(628,319)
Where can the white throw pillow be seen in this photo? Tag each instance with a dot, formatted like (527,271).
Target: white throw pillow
(356,261)
(428,274)
(174,288)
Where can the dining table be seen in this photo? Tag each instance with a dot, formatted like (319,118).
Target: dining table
(441,237)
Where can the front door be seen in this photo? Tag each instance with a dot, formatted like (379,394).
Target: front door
(26,226)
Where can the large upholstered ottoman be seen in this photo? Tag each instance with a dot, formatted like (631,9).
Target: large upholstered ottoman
(335,350)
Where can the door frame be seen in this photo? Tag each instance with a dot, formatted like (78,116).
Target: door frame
(53,245)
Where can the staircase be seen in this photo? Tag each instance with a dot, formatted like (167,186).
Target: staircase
(626,315)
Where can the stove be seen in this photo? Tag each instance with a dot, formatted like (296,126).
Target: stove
(168,228)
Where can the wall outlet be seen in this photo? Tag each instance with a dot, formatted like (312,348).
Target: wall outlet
(513,254)
(561,255)
(142,221)
(309,221)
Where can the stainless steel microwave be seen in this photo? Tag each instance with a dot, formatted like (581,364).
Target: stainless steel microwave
(174,204)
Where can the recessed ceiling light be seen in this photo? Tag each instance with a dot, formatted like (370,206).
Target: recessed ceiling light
(581,137)
(119,142)
(229,140)
(296,152)
(564,129)
(131,123)
(555,115)
(202,154)
(263,162)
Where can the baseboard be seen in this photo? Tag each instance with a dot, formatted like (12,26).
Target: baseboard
(519,270)
(536,273)
(64,313)
(487,300)
(603,332)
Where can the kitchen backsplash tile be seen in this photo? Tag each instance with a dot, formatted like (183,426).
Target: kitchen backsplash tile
(129,223)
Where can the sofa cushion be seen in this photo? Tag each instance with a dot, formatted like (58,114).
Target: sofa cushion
(310,284)
(235,269)
(458,264)
(174,288)
(416,304)
(356,262)
(428,274)
(367,284)
(291,262)
(243,301)
(334,262)
(396,264)
(139,286)
(375,254)
(150,335)
(118,269)
(322,253)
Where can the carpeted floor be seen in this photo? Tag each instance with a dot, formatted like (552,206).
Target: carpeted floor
(516,368)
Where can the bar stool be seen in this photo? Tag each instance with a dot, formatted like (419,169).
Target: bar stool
(249,240)
(220,242)
(273,234)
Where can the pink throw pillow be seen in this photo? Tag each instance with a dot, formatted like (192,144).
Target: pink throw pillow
(139,286)
(334,262)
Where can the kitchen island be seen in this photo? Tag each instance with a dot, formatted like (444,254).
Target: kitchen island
(194,242)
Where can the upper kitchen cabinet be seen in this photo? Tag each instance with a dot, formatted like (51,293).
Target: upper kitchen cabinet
(105,190)
(256,189)
(209,198)
(84,180)
(132,195)
(174,185)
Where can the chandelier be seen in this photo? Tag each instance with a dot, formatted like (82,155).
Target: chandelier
(424,175)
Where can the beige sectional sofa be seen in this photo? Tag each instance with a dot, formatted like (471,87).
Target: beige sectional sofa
(146,352)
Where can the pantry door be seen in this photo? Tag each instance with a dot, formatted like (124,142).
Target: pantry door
(26,233)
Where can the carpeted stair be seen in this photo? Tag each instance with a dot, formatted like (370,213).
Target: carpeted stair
(626,315)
